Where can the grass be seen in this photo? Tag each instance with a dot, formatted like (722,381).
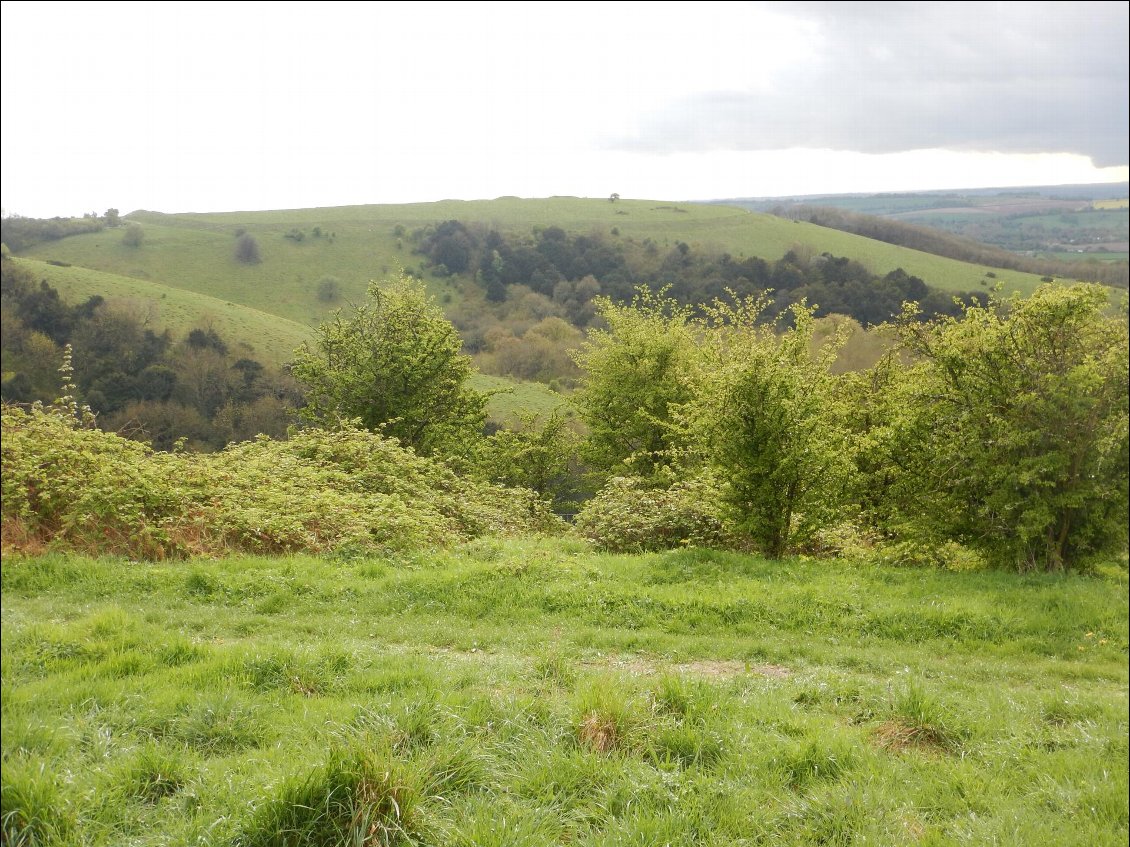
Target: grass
(531,692)
(195,251)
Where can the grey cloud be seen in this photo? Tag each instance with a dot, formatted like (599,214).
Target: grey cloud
(1004,77)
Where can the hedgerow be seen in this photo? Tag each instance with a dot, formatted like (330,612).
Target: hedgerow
(66,486)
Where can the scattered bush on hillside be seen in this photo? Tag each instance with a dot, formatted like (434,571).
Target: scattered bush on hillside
(133,236)
(247,250)
(70,487)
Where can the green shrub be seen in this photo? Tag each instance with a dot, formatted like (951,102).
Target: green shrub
(69,487)
(629,515)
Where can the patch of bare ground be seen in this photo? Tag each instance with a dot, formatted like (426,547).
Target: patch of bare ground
(713,669)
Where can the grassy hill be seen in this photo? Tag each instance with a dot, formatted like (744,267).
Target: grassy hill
(266,337)
(196,251)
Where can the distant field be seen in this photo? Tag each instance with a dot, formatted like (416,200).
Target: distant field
(1122,203)
(1089,256)
(195,252)
(531,693)
(269,338)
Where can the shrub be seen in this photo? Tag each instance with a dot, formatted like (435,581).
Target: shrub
(629,515)
(247,250)
(348,489)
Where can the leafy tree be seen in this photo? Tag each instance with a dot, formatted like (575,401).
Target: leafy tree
(538,455)
(1018,418)
(765,421)
(633,381)
(395,364)
(247,249)
(133,236)
(112,217)
(329,289)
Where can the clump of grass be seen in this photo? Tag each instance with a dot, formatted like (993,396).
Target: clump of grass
(606,719)
(32,812)
(554,668)
(815,760)
(357,797)
(152,772)
(918,722)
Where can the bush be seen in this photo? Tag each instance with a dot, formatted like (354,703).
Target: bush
(133,236)
(82,489)
(629,516)
(247,250)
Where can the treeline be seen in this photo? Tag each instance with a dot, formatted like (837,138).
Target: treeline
(142,383)
(932,240)
(20,233)
(570,270)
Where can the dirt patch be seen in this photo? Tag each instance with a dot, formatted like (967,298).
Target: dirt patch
(706,667)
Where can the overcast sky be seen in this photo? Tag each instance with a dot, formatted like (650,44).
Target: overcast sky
(230,106)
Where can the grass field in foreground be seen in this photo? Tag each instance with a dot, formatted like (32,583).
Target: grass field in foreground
(531,692)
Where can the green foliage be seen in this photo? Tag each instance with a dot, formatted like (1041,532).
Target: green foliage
(765,420)
(329,289)
(535,454)
(1015,427)
(247,249)
(395,364)
(77,488)
(133,236)
(631,514)
(635,378)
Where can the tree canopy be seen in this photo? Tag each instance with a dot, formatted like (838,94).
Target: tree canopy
(395,363)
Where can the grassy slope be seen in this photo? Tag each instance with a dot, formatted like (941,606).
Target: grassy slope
(266,337)
(530,692)
(195,251)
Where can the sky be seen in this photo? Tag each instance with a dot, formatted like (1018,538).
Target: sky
(178,107)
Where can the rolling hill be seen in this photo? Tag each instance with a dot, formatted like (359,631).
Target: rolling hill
(195,252)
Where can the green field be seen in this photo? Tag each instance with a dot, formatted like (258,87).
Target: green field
(531,692)
(196,252)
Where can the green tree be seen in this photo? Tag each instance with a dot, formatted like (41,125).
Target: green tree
(765,420)
(247,249)
(112,217)
(537,454)
(1017,417)
(133,236)
(634,379)
(395,364)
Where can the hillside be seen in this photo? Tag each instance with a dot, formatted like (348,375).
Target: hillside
(195,252)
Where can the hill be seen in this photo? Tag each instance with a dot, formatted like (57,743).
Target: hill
(195,252)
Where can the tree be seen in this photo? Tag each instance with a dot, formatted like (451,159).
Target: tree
(247,249)
(1015,425)
(329,289)
(633,380)
(133,236)
(112,217)
(765,421)
(395,364)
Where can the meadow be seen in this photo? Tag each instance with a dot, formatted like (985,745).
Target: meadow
(530,691)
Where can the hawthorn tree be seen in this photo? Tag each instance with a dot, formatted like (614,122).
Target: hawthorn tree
(634,380)
(1014,427)
(765,420)
(394,363)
